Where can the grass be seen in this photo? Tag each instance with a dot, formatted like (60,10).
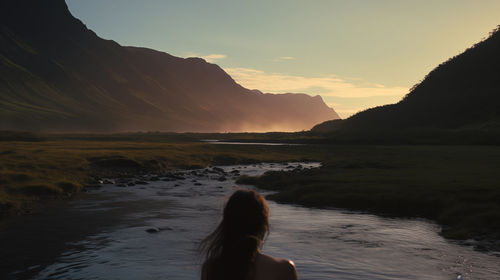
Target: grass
(41,168)
(457,186)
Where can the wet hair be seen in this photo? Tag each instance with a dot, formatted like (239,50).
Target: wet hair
(231,249)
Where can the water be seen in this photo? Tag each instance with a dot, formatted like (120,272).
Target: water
(219,142)
(325,244)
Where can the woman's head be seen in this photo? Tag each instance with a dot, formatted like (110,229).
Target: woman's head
(246,214)
(231,249)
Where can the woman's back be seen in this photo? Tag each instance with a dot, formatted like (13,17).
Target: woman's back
(270,268)
(265,268)
(232,249)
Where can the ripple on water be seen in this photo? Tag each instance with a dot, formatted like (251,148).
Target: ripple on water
(324,243)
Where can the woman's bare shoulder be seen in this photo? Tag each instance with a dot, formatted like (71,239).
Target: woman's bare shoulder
(284,267)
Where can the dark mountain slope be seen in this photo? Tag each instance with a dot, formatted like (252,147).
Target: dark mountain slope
(462,93)
(56,75)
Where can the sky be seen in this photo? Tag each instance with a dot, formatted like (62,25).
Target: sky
(356,54)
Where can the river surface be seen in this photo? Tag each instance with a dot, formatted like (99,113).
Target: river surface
(221,142)
(325,244)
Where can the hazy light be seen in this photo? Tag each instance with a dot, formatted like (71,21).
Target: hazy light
(212,58)
(386,45)
(337,92)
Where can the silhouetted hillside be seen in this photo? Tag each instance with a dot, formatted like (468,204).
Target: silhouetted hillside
(460,94)
(56,75)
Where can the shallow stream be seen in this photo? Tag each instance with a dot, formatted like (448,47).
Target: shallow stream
(158,225)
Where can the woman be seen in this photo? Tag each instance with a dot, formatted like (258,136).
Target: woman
(233,250)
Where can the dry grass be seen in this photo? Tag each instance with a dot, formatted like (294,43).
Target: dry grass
(455,185)
(36,171)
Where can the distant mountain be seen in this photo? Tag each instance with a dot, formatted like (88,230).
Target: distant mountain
(460,94)
(57,75)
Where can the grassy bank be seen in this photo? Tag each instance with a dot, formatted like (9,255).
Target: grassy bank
(457,186)
(36,169)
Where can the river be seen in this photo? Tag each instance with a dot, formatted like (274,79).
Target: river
(153,230)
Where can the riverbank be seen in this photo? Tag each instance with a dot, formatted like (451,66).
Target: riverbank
(36,170)
(456,186)
(151,231)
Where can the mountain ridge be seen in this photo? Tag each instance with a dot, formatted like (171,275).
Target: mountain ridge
(58,76)
(460,94)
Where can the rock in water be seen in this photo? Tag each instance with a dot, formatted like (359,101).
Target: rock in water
(222,179)
(153,230)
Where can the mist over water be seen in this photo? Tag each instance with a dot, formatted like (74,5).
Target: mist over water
(324,244)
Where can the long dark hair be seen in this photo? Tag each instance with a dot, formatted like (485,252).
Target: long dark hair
(231,249)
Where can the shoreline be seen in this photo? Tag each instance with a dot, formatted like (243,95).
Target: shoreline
(489,246)
(32,172)
(456,186)
(286,191)
(65,223)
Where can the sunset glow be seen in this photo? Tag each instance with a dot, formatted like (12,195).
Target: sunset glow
(355,54)
(335,91)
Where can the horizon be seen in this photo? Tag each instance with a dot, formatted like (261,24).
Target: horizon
(391,50)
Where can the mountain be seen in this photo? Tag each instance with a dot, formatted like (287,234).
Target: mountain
(461,94)
(57,75)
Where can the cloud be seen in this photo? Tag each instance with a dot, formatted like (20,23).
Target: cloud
(213,57)
(209,58)
(284,58)
(347,97)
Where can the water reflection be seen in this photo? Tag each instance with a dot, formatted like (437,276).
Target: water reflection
(221,142)
(325,244)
